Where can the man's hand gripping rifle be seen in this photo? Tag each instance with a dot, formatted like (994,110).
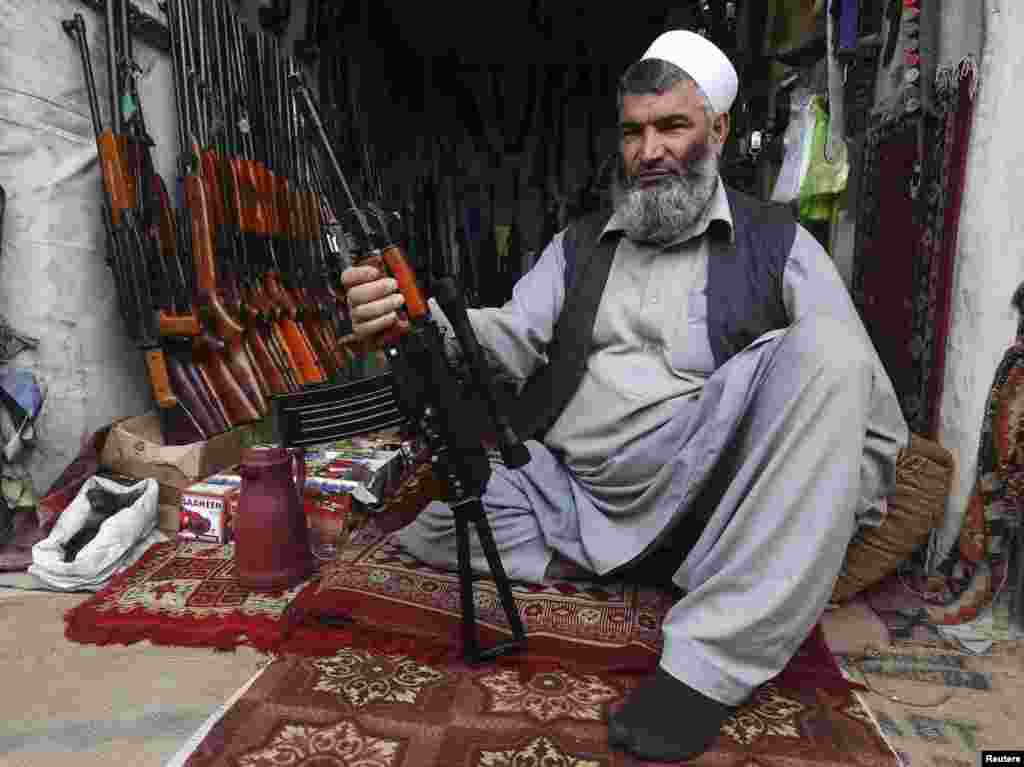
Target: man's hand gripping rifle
(431,393)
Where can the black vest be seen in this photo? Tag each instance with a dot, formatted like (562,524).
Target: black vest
(744,296)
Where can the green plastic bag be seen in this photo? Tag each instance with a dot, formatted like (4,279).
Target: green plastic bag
(826,177)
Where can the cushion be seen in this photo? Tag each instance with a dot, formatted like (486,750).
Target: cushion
(924,475)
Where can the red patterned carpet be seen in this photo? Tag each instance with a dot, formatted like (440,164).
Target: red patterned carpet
(364,695)
(359,707)
(185,594)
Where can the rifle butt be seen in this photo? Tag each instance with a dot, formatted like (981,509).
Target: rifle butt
(285,348)
(185,388)
(178,325)
(237,405)
(156,367)
(202,372)
(242,370)
(276,383)
(302,351)
(178,426)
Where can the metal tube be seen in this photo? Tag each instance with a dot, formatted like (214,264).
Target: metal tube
(176,74)
(126,42)
(111,29)
(203,68)
(314,114)
(76,28)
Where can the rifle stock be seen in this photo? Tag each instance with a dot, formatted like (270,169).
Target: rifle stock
(276,383)
(178,325)
(237,407)
(241,368)
(226,327)
(204,386)
(120,190)
(187,393)
(261,379)
(156,365)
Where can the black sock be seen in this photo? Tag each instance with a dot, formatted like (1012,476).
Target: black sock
(666,720)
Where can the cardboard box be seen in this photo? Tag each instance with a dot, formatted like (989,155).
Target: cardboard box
(135,447)
(205,513)
(314,483)
(170,518)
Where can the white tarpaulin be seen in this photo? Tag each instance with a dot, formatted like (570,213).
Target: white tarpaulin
(54,284)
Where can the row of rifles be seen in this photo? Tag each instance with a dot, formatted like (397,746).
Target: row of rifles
(230,282)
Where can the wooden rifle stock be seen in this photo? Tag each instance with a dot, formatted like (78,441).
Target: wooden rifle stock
(120,187)
(156,365)
(122,194)
(261,379)
(226,327)
(241,368)
(232,380)
(201,380)
(211,175)
(276,383)
(178,325)
(186,324)
(300,351)
(185,387)
(298,229)
(238,408)
(282,344)
(203,370)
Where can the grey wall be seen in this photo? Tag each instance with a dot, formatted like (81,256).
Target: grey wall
(989,265)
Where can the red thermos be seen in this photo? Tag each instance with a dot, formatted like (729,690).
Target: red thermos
(271,537)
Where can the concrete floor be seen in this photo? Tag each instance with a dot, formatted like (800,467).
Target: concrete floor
(64,703)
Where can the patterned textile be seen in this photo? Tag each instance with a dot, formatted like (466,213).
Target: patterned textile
(377,584)
(979,566)
(186,593)
(373,709)
(908,219)
(182,593)
(951,705)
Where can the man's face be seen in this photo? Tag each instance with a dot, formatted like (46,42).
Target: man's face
(669,161)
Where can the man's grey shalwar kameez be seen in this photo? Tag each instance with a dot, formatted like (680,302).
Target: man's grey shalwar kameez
(803,425)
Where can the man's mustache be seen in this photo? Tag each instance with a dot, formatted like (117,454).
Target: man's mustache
(693,165)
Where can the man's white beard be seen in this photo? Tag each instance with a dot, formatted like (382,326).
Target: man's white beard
(660,213)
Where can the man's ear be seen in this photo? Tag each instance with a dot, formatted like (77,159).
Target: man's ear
(720,128)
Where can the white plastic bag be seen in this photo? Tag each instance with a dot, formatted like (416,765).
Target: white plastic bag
(122,539)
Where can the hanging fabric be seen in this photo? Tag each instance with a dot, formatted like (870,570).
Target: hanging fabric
(906,245)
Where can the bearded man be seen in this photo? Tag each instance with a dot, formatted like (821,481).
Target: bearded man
(704,405)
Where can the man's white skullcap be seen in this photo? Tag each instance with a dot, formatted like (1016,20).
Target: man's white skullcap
(702,60)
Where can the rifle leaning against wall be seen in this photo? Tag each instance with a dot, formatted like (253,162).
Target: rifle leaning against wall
(128,248)
(185,338)
(226,365)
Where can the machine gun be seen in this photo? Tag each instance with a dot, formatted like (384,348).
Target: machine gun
(431,392)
